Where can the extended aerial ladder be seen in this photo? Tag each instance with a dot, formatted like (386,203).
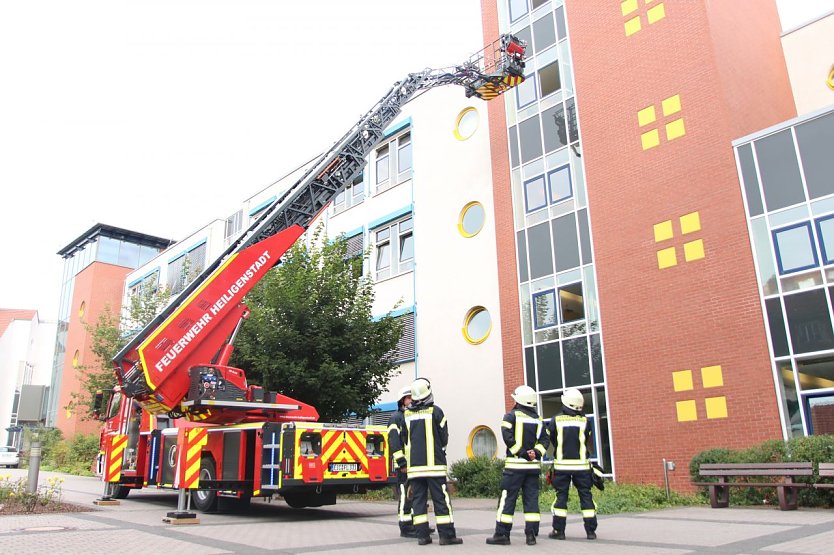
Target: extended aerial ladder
(176,364)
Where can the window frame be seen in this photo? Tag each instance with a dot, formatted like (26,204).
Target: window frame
(394,241)
(550,174)
(388,155)
(825,254)
(527,208)
(351,195)
(777,251)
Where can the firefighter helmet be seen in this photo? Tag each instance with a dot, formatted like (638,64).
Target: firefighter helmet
(573,399)
(405,392)
(420,389)
(525,395)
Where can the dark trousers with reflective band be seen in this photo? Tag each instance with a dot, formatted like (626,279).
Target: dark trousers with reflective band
(513,481)
(583,481)
(404,511)
(420,490)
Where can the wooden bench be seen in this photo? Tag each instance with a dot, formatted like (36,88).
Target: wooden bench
(786,489)
(826,471)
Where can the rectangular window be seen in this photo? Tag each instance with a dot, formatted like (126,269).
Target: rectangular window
(571,303)
(544,309)
(525,93)
(554,127)
(751,181)
(544,32)
(176,275)
(815,138)
(234,223)
(394,159)
(779,170)
(795,250)
(351,195)
(383,166)
(559,184)
(825,234)
(518,8)
(549,365)
(809,321)
(535,196)
(183,269)
(565,242)
(404,154)
(530,135)
(538,241)
(394,248)
(549,79)
(405,350)
(147,283)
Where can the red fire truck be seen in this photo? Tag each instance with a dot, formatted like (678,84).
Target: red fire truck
(181,418)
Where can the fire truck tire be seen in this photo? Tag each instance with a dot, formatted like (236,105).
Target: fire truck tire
(117,491)
(205,500)
(302,500)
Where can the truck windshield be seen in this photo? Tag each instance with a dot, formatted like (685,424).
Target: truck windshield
(115,402)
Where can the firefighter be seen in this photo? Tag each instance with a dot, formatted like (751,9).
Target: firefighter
(395,429)
(524,435)
(425,437)
(571,438)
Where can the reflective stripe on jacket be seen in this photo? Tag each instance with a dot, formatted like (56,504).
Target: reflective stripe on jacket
(425,437)
(571,439)
(523,430)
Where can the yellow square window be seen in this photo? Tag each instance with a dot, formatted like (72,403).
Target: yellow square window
(693,250)
(687,411)
(682,380)
(716,407)
(628,6)
(650,139)
(690,222)
(663,231)
(675,129)
(671,105)
(712,376)
(632,26)
(656,14)
(646,116)
(666,258)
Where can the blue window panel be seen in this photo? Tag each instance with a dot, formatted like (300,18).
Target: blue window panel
(535,196)
(825,235)
(544,309)
(525,93)
(559,184)
(795,249)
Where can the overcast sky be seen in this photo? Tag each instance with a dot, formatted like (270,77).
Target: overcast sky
(160,116)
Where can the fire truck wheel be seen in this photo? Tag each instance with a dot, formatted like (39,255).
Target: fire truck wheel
(205,500)
(117,491)
(296,500)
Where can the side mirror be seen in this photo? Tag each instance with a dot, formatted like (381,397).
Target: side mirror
(97,400)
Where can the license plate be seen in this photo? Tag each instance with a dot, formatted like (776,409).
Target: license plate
(343,467)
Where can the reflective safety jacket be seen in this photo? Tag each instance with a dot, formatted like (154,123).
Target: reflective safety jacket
(425,437)
(570,435)
(395,430)
(523,430)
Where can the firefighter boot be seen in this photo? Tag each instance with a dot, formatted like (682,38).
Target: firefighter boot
(454,540)
(408,532)
(425,540)
(531,538)
(591,535)
(556,534)
(499,539)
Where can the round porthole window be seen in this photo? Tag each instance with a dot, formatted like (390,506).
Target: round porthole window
(75,359)
(471,219)
(467,123)
(830,81)
(82,309)
(482,443)
(477,325)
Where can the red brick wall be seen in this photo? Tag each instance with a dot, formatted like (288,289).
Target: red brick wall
(97,286)
(513,355)
(724,60)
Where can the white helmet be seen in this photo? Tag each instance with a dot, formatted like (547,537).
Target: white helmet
(573,399)
(420,389)
(405,392)
(525,395)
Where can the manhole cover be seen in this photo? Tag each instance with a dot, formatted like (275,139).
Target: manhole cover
(43,529)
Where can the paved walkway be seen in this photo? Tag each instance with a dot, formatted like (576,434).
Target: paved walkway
(136,526)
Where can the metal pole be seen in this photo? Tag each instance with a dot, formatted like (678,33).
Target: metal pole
(34,466)
(666,478)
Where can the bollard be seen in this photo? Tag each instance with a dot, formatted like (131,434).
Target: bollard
(34,466)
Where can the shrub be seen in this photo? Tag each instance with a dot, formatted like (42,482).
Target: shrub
(14,496)
(478,477)
(620,498)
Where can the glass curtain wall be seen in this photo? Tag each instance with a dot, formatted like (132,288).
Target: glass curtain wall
(786,177)
(561,330)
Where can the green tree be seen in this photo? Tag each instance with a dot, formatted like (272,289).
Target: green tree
(311,333)
(108,335)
